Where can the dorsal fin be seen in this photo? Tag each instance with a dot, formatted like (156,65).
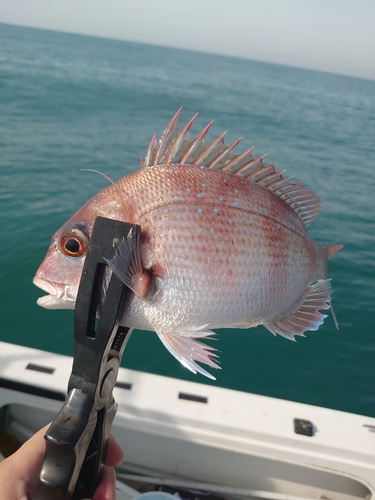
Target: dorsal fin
(176,147)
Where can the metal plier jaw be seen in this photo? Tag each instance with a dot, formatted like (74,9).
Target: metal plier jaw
(77,439)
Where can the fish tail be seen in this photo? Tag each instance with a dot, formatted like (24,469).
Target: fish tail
(331,250)
(334,316)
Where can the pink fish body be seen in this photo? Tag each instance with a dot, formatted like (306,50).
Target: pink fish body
(223,245)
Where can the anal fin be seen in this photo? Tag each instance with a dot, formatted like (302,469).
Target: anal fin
(182,344)
(307,316)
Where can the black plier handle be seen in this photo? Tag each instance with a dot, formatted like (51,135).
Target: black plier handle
(76,440)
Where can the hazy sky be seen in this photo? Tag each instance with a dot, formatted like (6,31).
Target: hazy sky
(337,36)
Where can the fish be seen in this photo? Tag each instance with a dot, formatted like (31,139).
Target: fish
(223,244)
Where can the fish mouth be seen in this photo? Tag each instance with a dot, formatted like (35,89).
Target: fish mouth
(60,296)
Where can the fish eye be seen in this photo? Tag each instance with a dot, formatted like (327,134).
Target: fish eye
(74,242)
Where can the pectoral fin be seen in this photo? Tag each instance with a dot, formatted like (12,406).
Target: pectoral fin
(184,347)
(138,279)
(307,315)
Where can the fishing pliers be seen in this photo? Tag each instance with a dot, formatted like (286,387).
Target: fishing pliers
(77,439)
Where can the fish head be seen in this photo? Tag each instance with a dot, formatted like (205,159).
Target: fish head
(60,272)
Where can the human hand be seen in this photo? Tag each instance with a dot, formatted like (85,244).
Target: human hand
(19,473)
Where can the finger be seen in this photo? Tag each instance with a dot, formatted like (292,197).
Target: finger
(115,455)
(106,489)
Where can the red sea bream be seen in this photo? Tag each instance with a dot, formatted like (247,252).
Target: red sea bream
(223,245)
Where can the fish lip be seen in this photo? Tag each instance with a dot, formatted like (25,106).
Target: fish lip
(58,296)
(46,286)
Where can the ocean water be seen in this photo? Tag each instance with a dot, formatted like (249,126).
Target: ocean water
(69,102)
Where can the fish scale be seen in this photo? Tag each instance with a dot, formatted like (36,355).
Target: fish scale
(198,230)
(223,245)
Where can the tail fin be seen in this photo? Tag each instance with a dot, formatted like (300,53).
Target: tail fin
(334,316)
(331,250)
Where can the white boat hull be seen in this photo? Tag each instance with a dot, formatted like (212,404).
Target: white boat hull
(176,429)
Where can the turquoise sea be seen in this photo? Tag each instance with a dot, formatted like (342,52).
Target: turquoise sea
(69,102)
